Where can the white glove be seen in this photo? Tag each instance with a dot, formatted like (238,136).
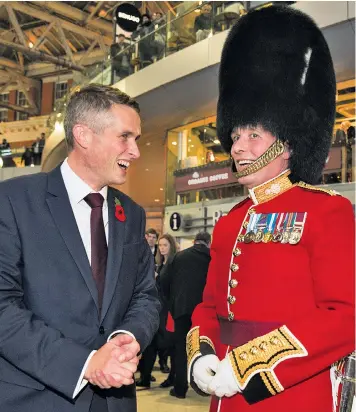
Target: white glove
(204,370)
(224,382)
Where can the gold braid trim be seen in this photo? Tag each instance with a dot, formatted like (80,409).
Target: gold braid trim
(274,382)
(193,344)
(275,150)
(318,189)
(268,383)
(263,354)
(205,339)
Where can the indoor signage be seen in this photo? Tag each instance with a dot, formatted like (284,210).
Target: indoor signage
(175,221)
(205,179)
(128,17)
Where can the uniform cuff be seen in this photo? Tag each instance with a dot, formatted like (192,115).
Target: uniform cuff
(197,346)
(253,363)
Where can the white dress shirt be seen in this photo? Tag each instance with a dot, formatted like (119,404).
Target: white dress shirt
(77,189)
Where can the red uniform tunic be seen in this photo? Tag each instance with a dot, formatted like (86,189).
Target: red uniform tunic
(282,308)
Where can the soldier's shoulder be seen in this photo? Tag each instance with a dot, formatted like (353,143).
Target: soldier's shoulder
(240,204)
(317,189)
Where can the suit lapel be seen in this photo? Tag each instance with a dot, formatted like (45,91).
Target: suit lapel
(115,250)
(62,213)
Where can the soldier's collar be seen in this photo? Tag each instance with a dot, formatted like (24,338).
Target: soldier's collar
(270,189)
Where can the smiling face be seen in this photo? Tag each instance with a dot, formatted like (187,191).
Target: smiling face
(106,155)
(248,145)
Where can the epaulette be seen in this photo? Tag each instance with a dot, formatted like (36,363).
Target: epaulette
(239,204)
(318,189)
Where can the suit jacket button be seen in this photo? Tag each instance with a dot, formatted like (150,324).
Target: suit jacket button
(101,330)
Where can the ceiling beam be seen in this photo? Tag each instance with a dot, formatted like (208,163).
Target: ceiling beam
(29,110)
(98,6)
(9,63)
(64,9)
(39,14)
(15,24)
(28,96)
(13,75)
(42,56)
(43,35)
(64,40)
(87,52)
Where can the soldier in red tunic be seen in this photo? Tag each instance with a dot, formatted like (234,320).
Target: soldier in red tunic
(278,307)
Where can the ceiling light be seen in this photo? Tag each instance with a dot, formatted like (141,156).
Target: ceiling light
(174,143)
(189,140)
(161,188)
(146,170)
(192,145)
(30,45)
(148,144)
(156,200)
(216,141)
(58,126)
(204,130)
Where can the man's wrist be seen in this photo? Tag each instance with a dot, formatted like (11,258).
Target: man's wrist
(120,331)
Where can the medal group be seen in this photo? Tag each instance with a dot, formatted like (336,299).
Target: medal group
(286,228)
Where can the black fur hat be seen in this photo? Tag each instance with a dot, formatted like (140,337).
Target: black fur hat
(276,71)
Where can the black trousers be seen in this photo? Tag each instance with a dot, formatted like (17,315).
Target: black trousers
(149,358)
(98,403)
(182,326)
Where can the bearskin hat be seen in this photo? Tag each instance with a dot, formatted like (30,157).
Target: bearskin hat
(276,71)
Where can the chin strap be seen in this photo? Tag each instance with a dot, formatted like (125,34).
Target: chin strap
(275,150)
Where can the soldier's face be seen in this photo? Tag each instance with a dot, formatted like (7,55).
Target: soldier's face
(248,145)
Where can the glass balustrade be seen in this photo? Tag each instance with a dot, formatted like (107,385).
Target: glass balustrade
(185,25)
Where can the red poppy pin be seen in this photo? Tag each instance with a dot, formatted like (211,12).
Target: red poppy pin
(119,211)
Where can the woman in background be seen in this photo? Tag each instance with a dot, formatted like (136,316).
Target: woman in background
(163,341)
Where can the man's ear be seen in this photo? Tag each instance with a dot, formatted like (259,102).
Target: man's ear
(82,135)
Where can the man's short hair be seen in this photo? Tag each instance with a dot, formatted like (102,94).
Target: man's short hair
(203,237)
(151,231)
(90,106)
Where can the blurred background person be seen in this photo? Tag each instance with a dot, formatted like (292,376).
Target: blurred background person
(182,286)
(37,149)
(27,157)
(203,23)
(151,237)
(162,343)
(121,56)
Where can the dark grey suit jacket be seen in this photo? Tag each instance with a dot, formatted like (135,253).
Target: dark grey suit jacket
(49,321)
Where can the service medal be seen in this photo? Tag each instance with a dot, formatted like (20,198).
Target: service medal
(267,237)
(248,238)
(285,237)
(258,236)
(295,237)
(277,237)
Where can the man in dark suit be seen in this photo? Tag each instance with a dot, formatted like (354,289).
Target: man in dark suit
(151,236)
(77,292)
(182,285)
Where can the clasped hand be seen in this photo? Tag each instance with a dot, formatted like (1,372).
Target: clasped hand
(114,364)
(215,377)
